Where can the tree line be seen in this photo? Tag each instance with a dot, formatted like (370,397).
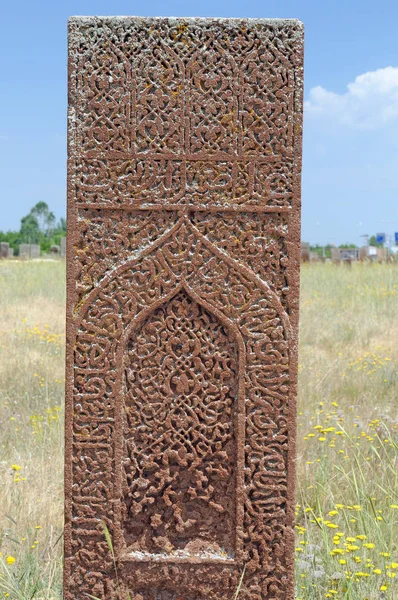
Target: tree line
(39,226)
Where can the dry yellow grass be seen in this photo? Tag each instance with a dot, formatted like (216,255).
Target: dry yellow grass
(31,428)
(347,513)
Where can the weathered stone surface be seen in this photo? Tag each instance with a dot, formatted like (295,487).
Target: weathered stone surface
(10,252)
(4,247)
(183,275)
(55,250)
(24,251)
(34,251)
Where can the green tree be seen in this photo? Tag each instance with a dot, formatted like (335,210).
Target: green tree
(37,227)
(45,218)
(62,225)
(30,230)
(373,242)
(13,238)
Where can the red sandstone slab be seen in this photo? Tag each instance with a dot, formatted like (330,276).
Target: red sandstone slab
(183,279)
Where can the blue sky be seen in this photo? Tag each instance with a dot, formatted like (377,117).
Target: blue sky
(350,170)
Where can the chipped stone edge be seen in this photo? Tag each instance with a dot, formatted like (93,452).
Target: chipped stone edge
(234,22)
(197,20)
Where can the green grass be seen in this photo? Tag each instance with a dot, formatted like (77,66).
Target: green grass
(347,431)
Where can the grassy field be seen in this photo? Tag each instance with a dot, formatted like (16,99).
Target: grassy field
(347,511)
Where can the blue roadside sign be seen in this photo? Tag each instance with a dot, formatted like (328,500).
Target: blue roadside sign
(380,238)
(396,237)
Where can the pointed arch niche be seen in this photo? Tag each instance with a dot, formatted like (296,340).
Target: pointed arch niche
(182,399)
(180,406)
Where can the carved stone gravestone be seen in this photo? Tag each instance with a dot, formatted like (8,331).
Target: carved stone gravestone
(183,275)
(305,252)
(34,251)
(4,248)
(24,250)
(63,247)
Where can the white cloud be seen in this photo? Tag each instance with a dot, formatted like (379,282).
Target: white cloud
(370,102)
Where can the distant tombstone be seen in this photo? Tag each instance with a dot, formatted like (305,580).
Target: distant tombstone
(4,247)
(381,254)
(183,281)
(350,254)
(34,251)
(314,257)
(10,252)
(372,251)
(63,247)
(305,252)
(54,250)
(24,251)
